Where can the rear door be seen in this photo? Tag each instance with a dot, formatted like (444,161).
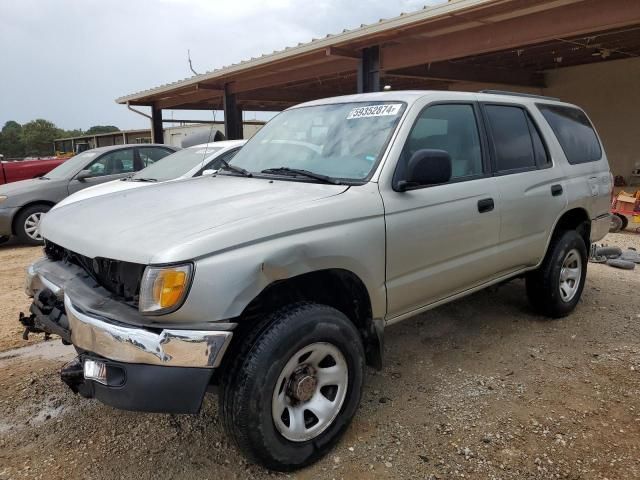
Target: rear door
(530,184)
(110,166)
(441,239)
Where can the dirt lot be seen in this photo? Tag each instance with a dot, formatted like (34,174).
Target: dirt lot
(477,389)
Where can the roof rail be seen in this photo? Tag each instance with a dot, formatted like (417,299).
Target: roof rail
(516,94)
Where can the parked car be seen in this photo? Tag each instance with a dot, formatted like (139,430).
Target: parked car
(186,163)
(276,278)
(22,204)
(14,171)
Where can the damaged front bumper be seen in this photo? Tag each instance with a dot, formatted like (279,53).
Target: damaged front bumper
(147,368)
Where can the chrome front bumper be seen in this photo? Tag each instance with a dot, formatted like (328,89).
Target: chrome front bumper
(118,341)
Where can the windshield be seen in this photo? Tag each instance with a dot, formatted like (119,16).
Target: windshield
(341,141)
(72,166)
(177,164)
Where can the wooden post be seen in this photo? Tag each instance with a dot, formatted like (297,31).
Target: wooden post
(157,132)
(232,116)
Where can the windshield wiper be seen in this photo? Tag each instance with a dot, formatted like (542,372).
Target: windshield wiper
(226,165)
(142,179)
(43,178)
(301,172)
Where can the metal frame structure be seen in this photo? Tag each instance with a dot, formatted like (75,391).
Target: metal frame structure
(504,42)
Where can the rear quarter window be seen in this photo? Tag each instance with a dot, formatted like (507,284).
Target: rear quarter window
(575,133)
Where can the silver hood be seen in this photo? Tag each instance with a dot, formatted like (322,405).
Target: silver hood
(180,220)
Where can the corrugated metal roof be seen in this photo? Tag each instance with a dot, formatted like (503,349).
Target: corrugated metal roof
(330,40)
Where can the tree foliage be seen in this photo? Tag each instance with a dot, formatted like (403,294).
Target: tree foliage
(36,137)
(11,145)
(98,129)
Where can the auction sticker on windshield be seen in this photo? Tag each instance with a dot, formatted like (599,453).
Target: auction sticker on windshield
(375,111)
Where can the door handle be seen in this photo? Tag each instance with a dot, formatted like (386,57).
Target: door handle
(485,205)
(556,190)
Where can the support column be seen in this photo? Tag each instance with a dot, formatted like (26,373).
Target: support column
(232,116)
(369,70)
(157,132)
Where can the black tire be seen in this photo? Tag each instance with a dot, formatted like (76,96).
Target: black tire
(543,285)
(616,224)
(21,218)
(249,381)
(623,264)
(625,220)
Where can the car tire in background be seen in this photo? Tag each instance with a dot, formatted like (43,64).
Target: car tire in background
(554,289)
(293,386)
(27,224)
(625,220)
(616,224)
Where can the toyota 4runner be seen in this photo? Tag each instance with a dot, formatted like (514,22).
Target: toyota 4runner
(275,278)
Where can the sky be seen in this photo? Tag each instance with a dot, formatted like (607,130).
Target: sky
(68,60)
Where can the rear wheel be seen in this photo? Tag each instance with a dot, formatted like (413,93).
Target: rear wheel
(554,289)
(27,224)
(293,387)
(625,220)
(616,224)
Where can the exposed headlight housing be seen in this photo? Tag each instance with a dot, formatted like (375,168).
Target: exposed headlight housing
(163,289)
(3,198)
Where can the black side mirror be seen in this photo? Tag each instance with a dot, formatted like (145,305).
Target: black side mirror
(426,167)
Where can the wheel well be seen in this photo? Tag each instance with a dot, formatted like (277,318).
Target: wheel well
(337,288)
(23,208)
(576,219)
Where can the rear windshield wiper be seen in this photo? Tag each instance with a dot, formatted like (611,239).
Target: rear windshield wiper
(300,172)
(226,165)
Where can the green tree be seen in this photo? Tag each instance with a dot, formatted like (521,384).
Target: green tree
(98,129)
(11,145)
(38,136)
(76,132)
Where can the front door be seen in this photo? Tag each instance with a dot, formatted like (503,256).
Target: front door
(110,166)
(441,240)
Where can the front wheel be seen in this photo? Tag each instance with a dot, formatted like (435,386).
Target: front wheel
(27,224)
(554,289)
(292,388)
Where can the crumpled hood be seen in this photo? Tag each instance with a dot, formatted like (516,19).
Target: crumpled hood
(159,223)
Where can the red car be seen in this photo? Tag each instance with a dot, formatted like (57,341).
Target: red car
(25,169)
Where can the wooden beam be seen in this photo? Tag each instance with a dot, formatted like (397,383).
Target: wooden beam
(329,67)
(342,53)
(471,73)
(197,96)
(586,17)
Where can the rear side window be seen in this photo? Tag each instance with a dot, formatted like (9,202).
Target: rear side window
(574,132)
(512,141)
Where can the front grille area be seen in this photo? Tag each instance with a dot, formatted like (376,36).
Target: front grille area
(122,279)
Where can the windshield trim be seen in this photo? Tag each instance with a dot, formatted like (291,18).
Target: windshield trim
(343,181)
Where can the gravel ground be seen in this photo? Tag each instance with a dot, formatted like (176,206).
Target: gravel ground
(480,388)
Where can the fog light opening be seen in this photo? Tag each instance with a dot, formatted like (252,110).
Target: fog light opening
(96,371)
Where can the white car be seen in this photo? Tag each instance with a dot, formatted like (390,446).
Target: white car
(186,163)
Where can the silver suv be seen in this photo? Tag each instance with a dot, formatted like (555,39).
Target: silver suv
(275,278)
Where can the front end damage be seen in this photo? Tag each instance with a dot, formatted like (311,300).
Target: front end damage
(124,360)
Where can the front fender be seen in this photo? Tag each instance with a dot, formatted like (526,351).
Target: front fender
(225,283)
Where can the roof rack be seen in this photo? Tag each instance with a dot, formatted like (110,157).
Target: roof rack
(516,94)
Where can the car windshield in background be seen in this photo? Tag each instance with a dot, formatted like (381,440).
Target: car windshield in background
(177,164)
(341,141)
(72,166)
